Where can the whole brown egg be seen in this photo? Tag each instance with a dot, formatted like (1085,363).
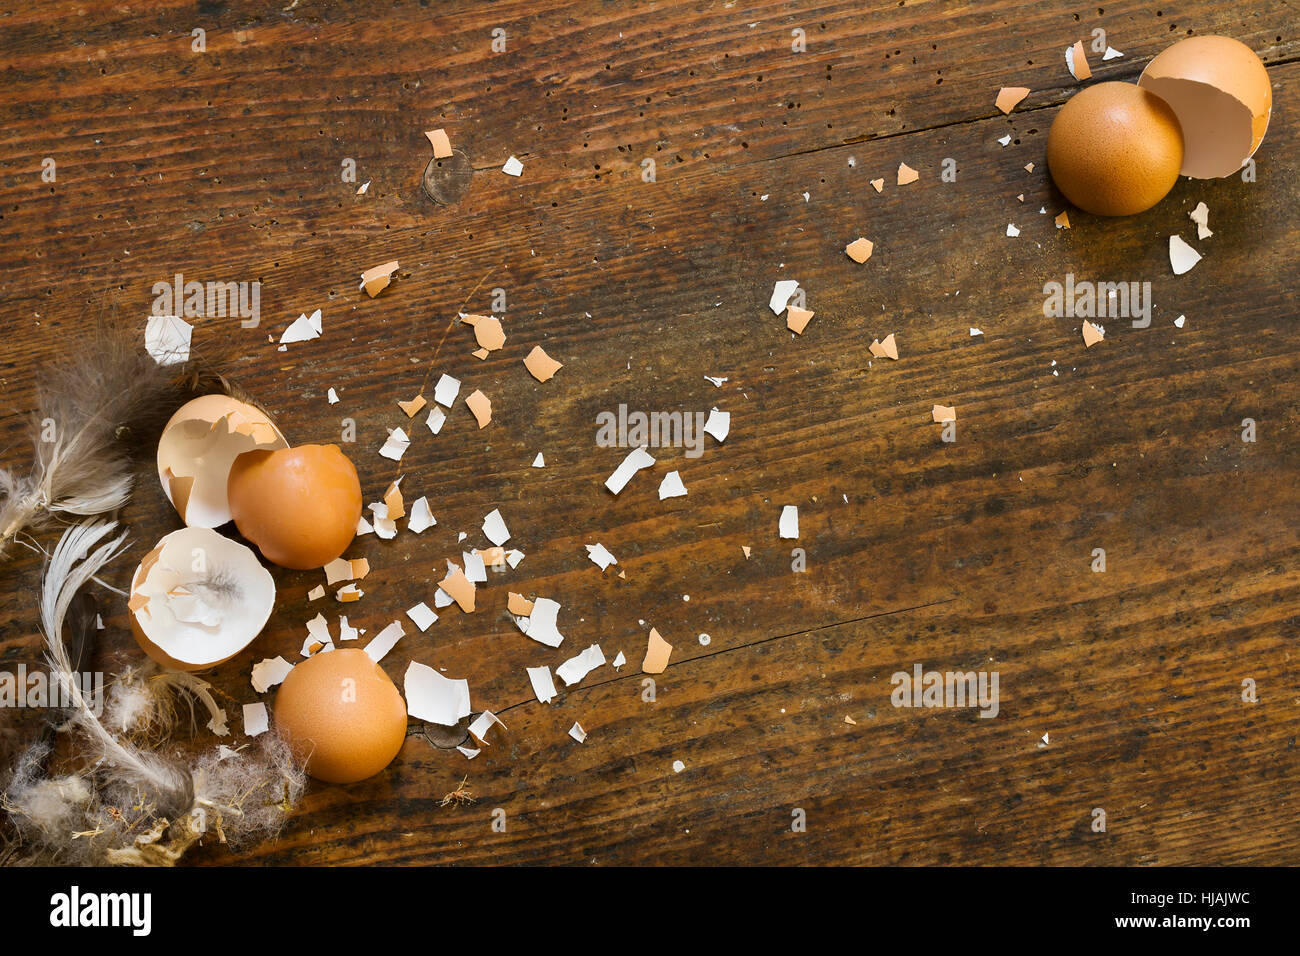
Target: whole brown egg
(299,506)
(1115,149)
(341,714)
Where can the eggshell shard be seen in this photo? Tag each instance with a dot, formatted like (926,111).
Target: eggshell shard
(1220,92)
(196,450)
(198,599)
(342,715)
(299,506)
(1115,149)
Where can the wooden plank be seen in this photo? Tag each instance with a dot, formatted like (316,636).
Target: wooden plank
(964,555)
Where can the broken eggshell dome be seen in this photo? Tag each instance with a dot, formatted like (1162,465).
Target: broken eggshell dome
(1220,91)
(196,450)
(300,506)
(198,599)
(342,715)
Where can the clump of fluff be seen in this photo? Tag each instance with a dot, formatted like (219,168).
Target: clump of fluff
(128,803)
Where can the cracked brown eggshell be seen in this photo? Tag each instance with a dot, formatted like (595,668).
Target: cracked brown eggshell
(197,447)
(1221,93)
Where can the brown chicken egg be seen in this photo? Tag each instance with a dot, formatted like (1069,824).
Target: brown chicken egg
(299,506)
(1220,91)
(1115,149)
(342,715)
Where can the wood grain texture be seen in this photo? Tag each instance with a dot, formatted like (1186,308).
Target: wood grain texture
(969,555)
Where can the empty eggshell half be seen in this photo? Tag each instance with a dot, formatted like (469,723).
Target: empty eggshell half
(197,448)
(1220,91)
(198,599)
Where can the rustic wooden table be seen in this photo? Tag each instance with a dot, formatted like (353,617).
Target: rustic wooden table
(678,159)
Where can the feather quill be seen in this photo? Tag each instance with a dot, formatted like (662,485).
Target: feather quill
(90,404)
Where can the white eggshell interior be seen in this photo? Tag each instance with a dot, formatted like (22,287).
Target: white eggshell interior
(207,596)
(201,442)
(1217,127)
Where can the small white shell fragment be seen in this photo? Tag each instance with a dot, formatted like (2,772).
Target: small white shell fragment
(384,641)
(678,766)
(512,167)
(445,392)
(437,418)
(717,382)
(361,190)
(619,660)
(302,329)
(386,528)
(167,339)
(718,424)
(781,293)
(974,331)
(483,723)
(671,486)
(1180,321)
(422,616)
(396,445)
(421,517)
(269,672)
(364,527)
(432,697)
(316,593)
(442,599)
(256,720)
(789,523)
(494,526)
(579,666)
(1182,257)
(539,461)
(1012,231)
(340,569)
(475,572)
(1111,54)
(636,459)
(600,555)
(1005,140)
(1201,216)
(513,557)
(542,622)
(346,631)
(348,593)
(577,733)
(332,396)
(543,685)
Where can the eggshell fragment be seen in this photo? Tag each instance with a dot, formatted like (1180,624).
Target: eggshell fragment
(375,280)
(1222,96)
(198,599)
(540,365)
(859,250)
(440,142)
(299,506)
(1009,97)
(656,655)
(341,714)
(198,446)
